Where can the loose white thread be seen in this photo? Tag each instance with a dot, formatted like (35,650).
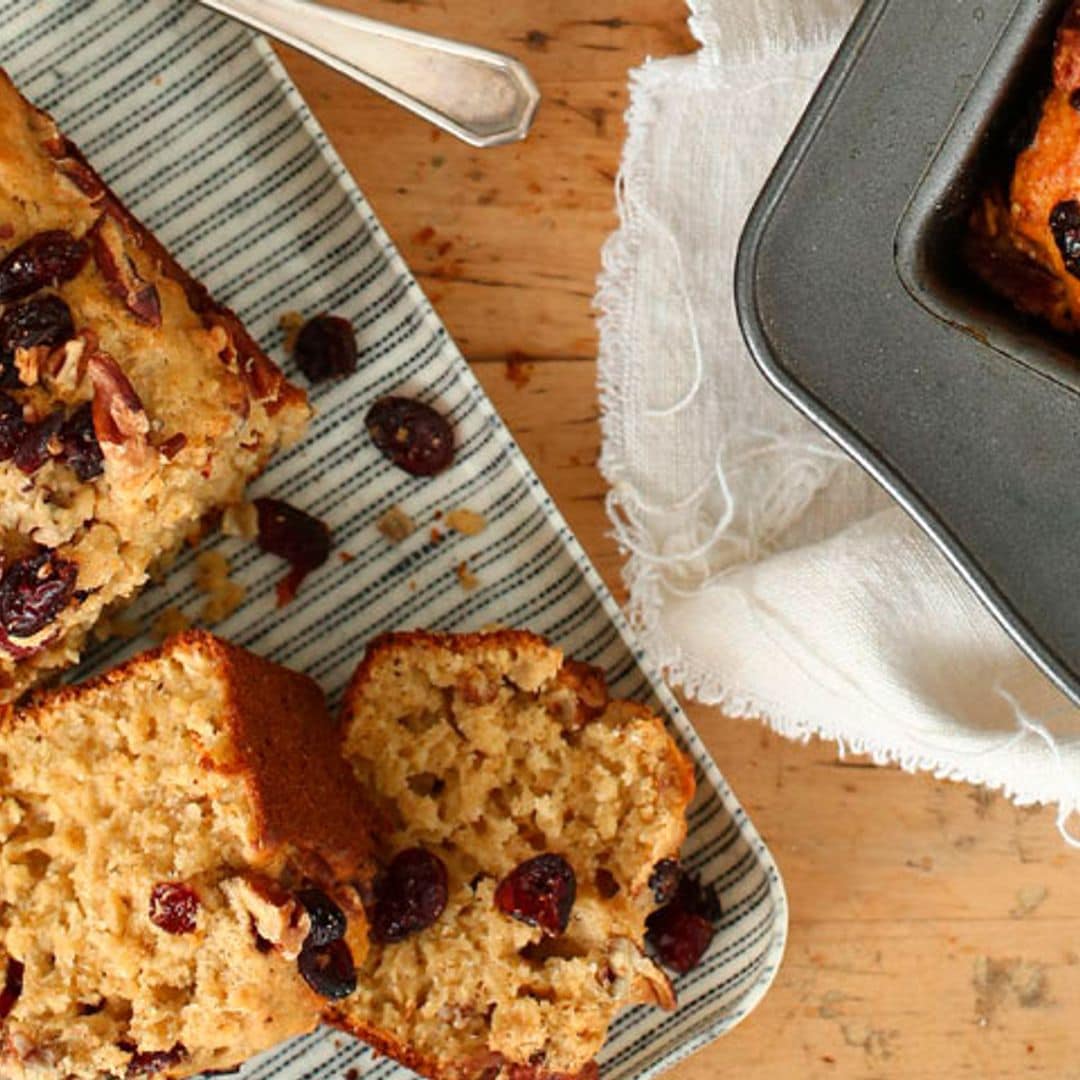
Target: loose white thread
(1067,807)
(682,282)
(619,516)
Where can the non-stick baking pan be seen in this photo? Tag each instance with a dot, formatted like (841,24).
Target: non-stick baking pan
(856,305)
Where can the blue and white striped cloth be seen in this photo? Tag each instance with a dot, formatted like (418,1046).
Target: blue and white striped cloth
(197,126)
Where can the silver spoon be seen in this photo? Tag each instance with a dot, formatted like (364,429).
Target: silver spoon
(482,97)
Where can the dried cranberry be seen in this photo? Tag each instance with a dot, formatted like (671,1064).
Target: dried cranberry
(680,932)
(1065,225)
(49,258)
(679,938)
(33,591)
(80,447)
(173,445)
(326,348)
(12,427)
(13,983)
(174,907)
(155,1061)
(412,435)
(43,321)
(293,535)
(40,443)
(410,896)
(539,892)
(700,899)
(665,880)
(328,922)
(328,969)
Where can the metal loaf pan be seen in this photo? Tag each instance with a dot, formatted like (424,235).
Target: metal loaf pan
(856,305)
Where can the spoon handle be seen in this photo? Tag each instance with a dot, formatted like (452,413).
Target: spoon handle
(484,98)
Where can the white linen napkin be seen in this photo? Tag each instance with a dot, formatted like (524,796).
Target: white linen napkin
(767,572)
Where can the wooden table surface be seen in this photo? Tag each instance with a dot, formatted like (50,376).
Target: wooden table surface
(935,928)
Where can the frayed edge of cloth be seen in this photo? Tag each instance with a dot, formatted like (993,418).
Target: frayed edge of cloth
(614,304)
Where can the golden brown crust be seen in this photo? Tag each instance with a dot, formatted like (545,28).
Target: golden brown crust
(315,804)
(275,714)
(489,1067)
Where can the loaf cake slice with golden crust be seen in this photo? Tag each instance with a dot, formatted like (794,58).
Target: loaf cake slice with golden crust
(183,854)
(529,814)
(131,404)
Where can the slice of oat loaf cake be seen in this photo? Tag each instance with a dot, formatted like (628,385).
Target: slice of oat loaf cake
(183,854)
(529,815)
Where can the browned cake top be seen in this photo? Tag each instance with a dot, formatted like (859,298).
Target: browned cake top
(1026,240)
(131,404)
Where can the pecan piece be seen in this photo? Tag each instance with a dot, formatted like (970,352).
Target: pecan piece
(122,275)
(120,421)
(278,918)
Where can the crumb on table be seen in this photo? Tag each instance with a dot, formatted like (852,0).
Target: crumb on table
(171,621)
(291,323)
(241,520)
(396,525)
(223,595)
(211,571)
(116,626)
(466,522)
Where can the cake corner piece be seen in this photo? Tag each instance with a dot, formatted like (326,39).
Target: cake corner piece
(132,405)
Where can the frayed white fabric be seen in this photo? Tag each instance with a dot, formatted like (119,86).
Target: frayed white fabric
(767,572)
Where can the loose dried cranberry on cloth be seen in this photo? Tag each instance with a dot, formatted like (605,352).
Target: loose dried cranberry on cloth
(299,538)
(326,348)
(412,435)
